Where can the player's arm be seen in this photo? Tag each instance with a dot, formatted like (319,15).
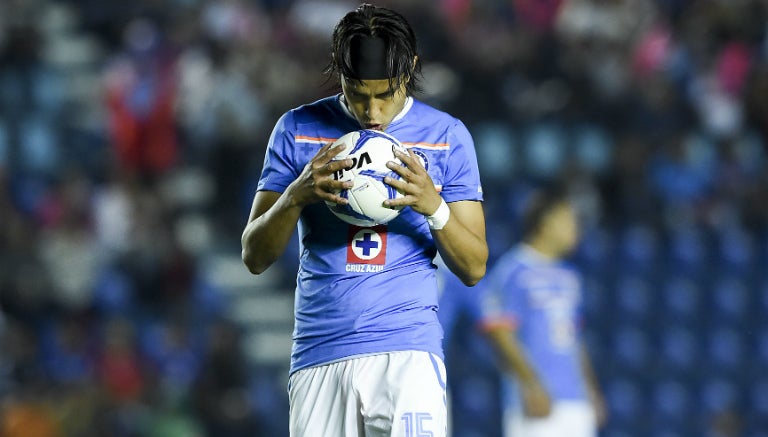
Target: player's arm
(274,216)
(461,240)
(593,387)
(512,357)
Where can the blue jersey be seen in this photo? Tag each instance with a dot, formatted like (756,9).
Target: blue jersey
(367,290)
(540,299)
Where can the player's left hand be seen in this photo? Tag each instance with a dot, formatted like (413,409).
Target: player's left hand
(418,190)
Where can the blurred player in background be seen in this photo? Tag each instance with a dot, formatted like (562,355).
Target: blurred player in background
(367,357)
(531,316)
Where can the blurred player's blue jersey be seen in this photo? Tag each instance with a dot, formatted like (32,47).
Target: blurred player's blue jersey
(541,300)
(367,290)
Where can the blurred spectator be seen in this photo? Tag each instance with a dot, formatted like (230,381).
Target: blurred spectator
(679,179)
(120,368)
(21,361)
(219,397)
(175,352)
(68,245)
(67,351)
(28,413)
(140,88)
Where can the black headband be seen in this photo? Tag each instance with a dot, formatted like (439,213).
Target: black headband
(368,58)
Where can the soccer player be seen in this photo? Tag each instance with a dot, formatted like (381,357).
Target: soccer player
(531,317)
(367,358)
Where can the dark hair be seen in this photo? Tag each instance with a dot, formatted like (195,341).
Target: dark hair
(398,37)
(539,205)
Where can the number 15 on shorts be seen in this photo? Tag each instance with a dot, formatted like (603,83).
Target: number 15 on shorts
(417,424)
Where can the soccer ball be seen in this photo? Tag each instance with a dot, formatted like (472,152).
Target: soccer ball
(370,151)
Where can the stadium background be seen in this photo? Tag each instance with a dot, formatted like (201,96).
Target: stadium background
(131,138)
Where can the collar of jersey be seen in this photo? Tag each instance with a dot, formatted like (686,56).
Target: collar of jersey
(398,117)
(533,256)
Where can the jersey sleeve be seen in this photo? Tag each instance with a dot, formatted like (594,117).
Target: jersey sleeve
(462,178)
(280,167)
(502,303)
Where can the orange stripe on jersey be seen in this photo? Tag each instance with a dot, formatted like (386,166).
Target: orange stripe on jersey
(319,140)
(506,323)
(427,145)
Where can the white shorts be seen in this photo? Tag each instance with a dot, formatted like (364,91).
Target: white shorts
(392,394)
(568,418)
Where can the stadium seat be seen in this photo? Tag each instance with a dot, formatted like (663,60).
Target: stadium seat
(761,349)
(625,399)
(735,250)
(592,147)
(595,253)
(725,350)
(718,394)
(672,402)
(595,299)
(496,147)
(688,249)
(628,405)
(680,298)
(639,249)
(634,297)
(758,392)
(730,300)
(632,347)
(680,350)
(544,149)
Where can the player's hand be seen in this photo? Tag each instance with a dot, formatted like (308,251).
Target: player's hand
(536,400)
(601,409)
(417,187)
(316,182)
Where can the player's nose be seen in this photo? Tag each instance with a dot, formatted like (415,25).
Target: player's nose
(372,111)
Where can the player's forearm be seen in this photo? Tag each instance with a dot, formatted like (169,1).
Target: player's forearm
(587,370)
(462,243)
(512,356)
(265,237)
(464,253)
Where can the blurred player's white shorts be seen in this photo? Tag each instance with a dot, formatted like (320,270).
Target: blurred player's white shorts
(568,418)
(390,394)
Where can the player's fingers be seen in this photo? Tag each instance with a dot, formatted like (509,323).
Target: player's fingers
(338,165)
(410,159)
(323,151)
(327,153)
(406,200)
(403,171)
(334,198)
(329,190)
(324,165)
(399,184)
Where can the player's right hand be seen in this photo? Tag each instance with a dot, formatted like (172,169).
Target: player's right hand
(316,182)
(536,400)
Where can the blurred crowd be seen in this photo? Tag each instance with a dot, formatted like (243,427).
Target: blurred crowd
(132,135)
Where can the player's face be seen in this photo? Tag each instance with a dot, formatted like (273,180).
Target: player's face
(563,227)
(373,103)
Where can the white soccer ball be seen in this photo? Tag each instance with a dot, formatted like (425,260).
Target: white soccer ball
(370,151)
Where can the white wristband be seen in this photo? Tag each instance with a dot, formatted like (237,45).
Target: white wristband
(438,220)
